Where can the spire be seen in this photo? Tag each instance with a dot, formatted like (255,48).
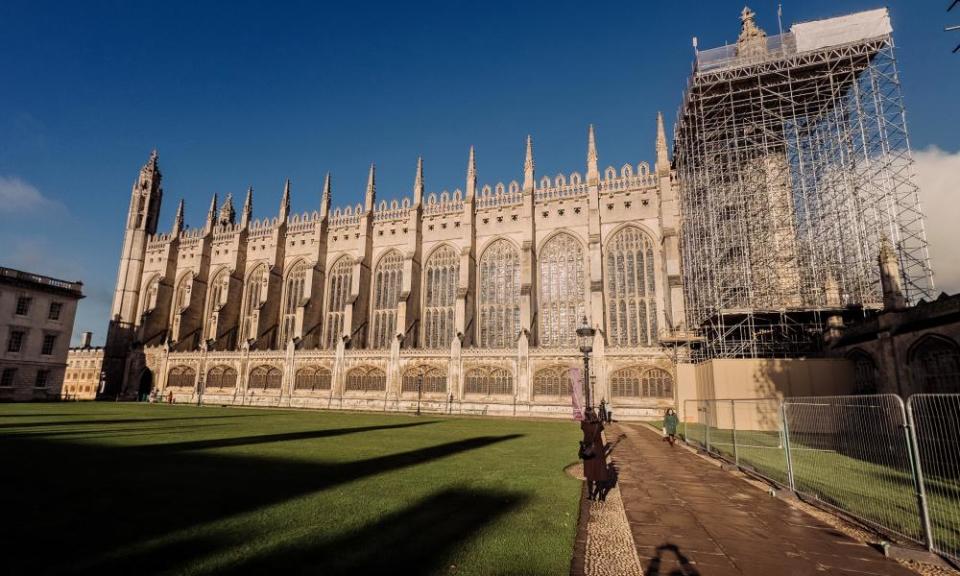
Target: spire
(325,197)
(371,196)
(528,167)
(663,157)
(890,280)
(472,175)
(152,161)
(418,182)
(247,208)
(593,171)
(212,213)
(285,201)
(178,221)
(227,214)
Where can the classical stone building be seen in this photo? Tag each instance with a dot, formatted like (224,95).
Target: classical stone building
(84,374)
(36,320)
(466,300)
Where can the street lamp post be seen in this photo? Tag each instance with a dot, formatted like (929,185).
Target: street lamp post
(419,389)
(585,335)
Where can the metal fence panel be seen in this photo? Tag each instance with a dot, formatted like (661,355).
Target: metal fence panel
(758,435)
(853,453)
(935,420)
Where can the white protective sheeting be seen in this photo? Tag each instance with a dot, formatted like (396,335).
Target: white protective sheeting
(841,30)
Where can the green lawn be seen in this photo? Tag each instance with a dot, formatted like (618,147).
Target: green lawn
(134,489)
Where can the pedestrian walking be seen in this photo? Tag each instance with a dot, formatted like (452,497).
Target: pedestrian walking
(592,454)
(603,411)
(670,423)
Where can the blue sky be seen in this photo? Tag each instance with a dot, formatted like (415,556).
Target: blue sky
(250,93)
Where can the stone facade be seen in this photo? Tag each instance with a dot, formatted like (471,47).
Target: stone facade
(84,373)
(36,321)
(467,300)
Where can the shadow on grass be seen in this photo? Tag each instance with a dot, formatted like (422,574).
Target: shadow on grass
(269,438)
(418,539)
(93,500)
(107,421)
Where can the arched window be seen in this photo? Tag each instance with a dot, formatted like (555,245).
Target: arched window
(341,276)
(366,380)
(553,381)
(488,381)
(440,279)
(387,282)
(434,380)
(217,297)
(312,378)
(561,304)
(657,383)
(221,378)
(181,377)
(935,363)
(254,294)
(634,383)
(499,296)
(293,290)
(265,378)
(150,294)
(631,290)
(184,291)
(864,373)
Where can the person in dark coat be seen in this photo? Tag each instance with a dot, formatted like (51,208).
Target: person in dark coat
(594,459)
(670,423)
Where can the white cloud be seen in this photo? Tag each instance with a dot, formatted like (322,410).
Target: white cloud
(938,175)
(18,197)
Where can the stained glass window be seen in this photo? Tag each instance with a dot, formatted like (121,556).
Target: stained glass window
(366,380)
(293,290)
(388,280)
(499,296)
(562,302)
(440,279)
(634,382)
(312,378)
(221,378)
(341,276)
(181,377)
(488,381)
(434,380)
(553,381)
(265,378)
(631,289)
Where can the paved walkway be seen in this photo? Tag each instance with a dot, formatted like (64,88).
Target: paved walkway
(689,517)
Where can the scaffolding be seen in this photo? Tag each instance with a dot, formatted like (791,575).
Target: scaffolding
(795,167)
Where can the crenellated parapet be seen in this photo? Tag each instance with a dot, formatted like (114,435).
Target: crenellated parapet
(445,203)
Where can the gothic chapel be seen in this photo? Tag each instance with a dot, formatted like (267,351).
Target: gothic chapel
(468,300)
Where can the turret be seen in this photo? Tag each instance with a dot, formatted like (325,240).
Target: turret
(472,175)
(285,202)
(528,168)
(663,157)
(418,183)
(227,214)
(371,195)
(178,221)
(593,171)
(212,213)
(247,212)
(325,197)
(890,280)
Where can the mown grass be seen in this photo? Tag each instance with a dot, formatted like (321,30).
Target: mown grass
(139,489)
(875,492)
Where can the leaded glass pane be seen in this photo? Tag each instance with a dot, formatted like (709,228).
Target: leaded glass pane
(499,299)
(562,302)
(631,289)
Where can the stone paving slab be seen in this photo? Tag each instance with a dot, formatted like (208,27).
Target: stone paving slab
(690,518)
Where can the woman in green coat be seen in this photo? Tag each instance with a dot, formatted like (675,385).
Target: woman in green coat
(670,423)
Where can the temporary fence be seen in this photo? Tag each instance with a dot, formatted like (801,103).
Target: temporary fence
(892,466)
